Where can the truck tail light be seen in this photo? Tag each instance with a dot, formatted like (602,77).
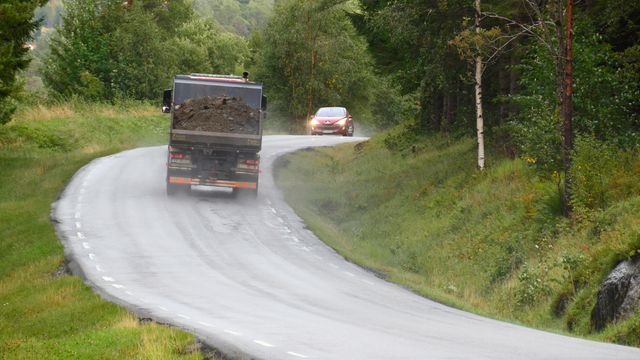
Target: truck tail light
(176,155)
(252,162)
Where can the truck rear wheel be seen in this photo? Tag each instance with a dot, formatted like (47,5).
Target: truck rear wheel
(172,189)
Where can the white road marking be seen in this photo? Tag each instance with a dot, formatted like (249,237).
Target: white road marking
(78,225)
(280,219)
(128,293)
(205,324)
(184,316)
(295,239)
(86,245)
(92,256)
(263,343)
(306,249)
(296,354)
(77,215)
(367,282)
(99,268)
(233,332)
(350,274)
(80,235)
(107,278)
(118,286)
(286,228)
(317,257)
(163,308)
(273,210)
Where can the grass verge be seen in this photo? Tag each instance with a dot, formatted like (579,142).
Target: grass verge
(494,243)
(44,312)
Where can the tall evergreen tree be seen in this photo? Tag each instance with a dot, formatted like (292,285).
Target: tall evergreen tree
(16,26)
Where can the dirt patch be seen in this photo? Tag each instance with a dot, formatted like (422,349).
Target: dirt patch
(217,114)
(62,270)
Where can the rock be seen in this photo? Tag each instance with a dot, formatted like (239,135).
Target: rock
(619,294)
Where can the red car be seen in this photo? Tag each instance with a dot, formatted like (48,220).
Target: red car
(332,120)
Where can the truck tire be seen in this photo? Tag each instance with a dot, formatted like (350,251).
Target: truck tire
(172,189)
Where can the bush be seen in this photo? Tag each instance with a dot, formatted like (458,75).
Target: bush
(602,174)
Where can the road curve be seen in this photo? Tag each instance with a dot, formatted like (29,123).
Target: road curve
(247,277)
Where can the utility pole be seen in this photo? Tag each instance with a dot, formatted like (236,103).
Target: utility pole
(567,109)
(479,118)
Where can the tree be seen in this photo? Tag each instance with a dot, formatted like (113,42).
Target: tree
(312,56)
(16,27)
(108,49)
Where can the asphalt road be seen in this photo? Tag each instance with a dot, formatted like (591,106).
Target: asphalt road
(247,277)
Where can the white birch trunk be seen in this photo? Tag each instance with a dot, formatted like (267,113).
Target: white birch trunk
(479,118)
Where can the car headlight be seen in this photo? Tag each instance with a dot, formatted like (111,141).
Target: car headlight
(342,122)
(314,121)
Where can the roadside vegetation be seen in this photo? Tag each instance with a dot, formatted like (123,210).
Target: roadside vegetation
(45,313)
(492,242)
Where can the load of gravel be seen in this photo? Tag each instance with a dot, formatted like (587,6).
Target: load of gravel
(217,114)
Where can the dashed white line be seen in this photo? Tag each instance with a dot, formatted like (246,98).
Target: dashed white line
(263,343)
(92,256)
(86,245)
(233,332)
(367,282)
(184,316)
(107,278)
(350,274)
(296,354)
(306,249)
(118,286)
(274,210)
(280,219)
(78,225)
(128,293)
(163,308)
(80,235)
(204,324)
(77,215)
(99,268)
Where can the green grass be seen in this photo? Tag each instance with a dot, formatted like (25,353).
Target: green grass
(494,242)
(48,316)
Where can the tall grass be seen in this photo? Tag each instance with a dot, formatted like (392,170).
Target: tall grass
(492,242)
(44,312)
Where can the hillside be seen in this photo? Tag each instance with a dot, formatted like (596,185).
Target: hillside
(493,243)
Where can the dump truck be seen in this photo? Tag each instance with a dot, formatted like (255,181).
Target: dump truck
(216,132)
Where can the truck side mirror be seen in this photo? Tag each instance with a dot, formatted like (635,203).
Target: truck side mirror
(167,98)
(264,103)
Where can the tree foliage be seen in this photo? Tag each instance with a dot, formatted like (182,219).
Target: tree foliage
(107,50)
(16,27)
(237,16)
(311,56)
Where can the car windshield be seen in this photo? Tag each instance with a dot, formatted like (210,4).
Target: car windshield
(332,112)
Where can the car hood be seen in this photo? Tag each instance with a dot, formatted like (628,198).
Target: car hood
(328,120)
